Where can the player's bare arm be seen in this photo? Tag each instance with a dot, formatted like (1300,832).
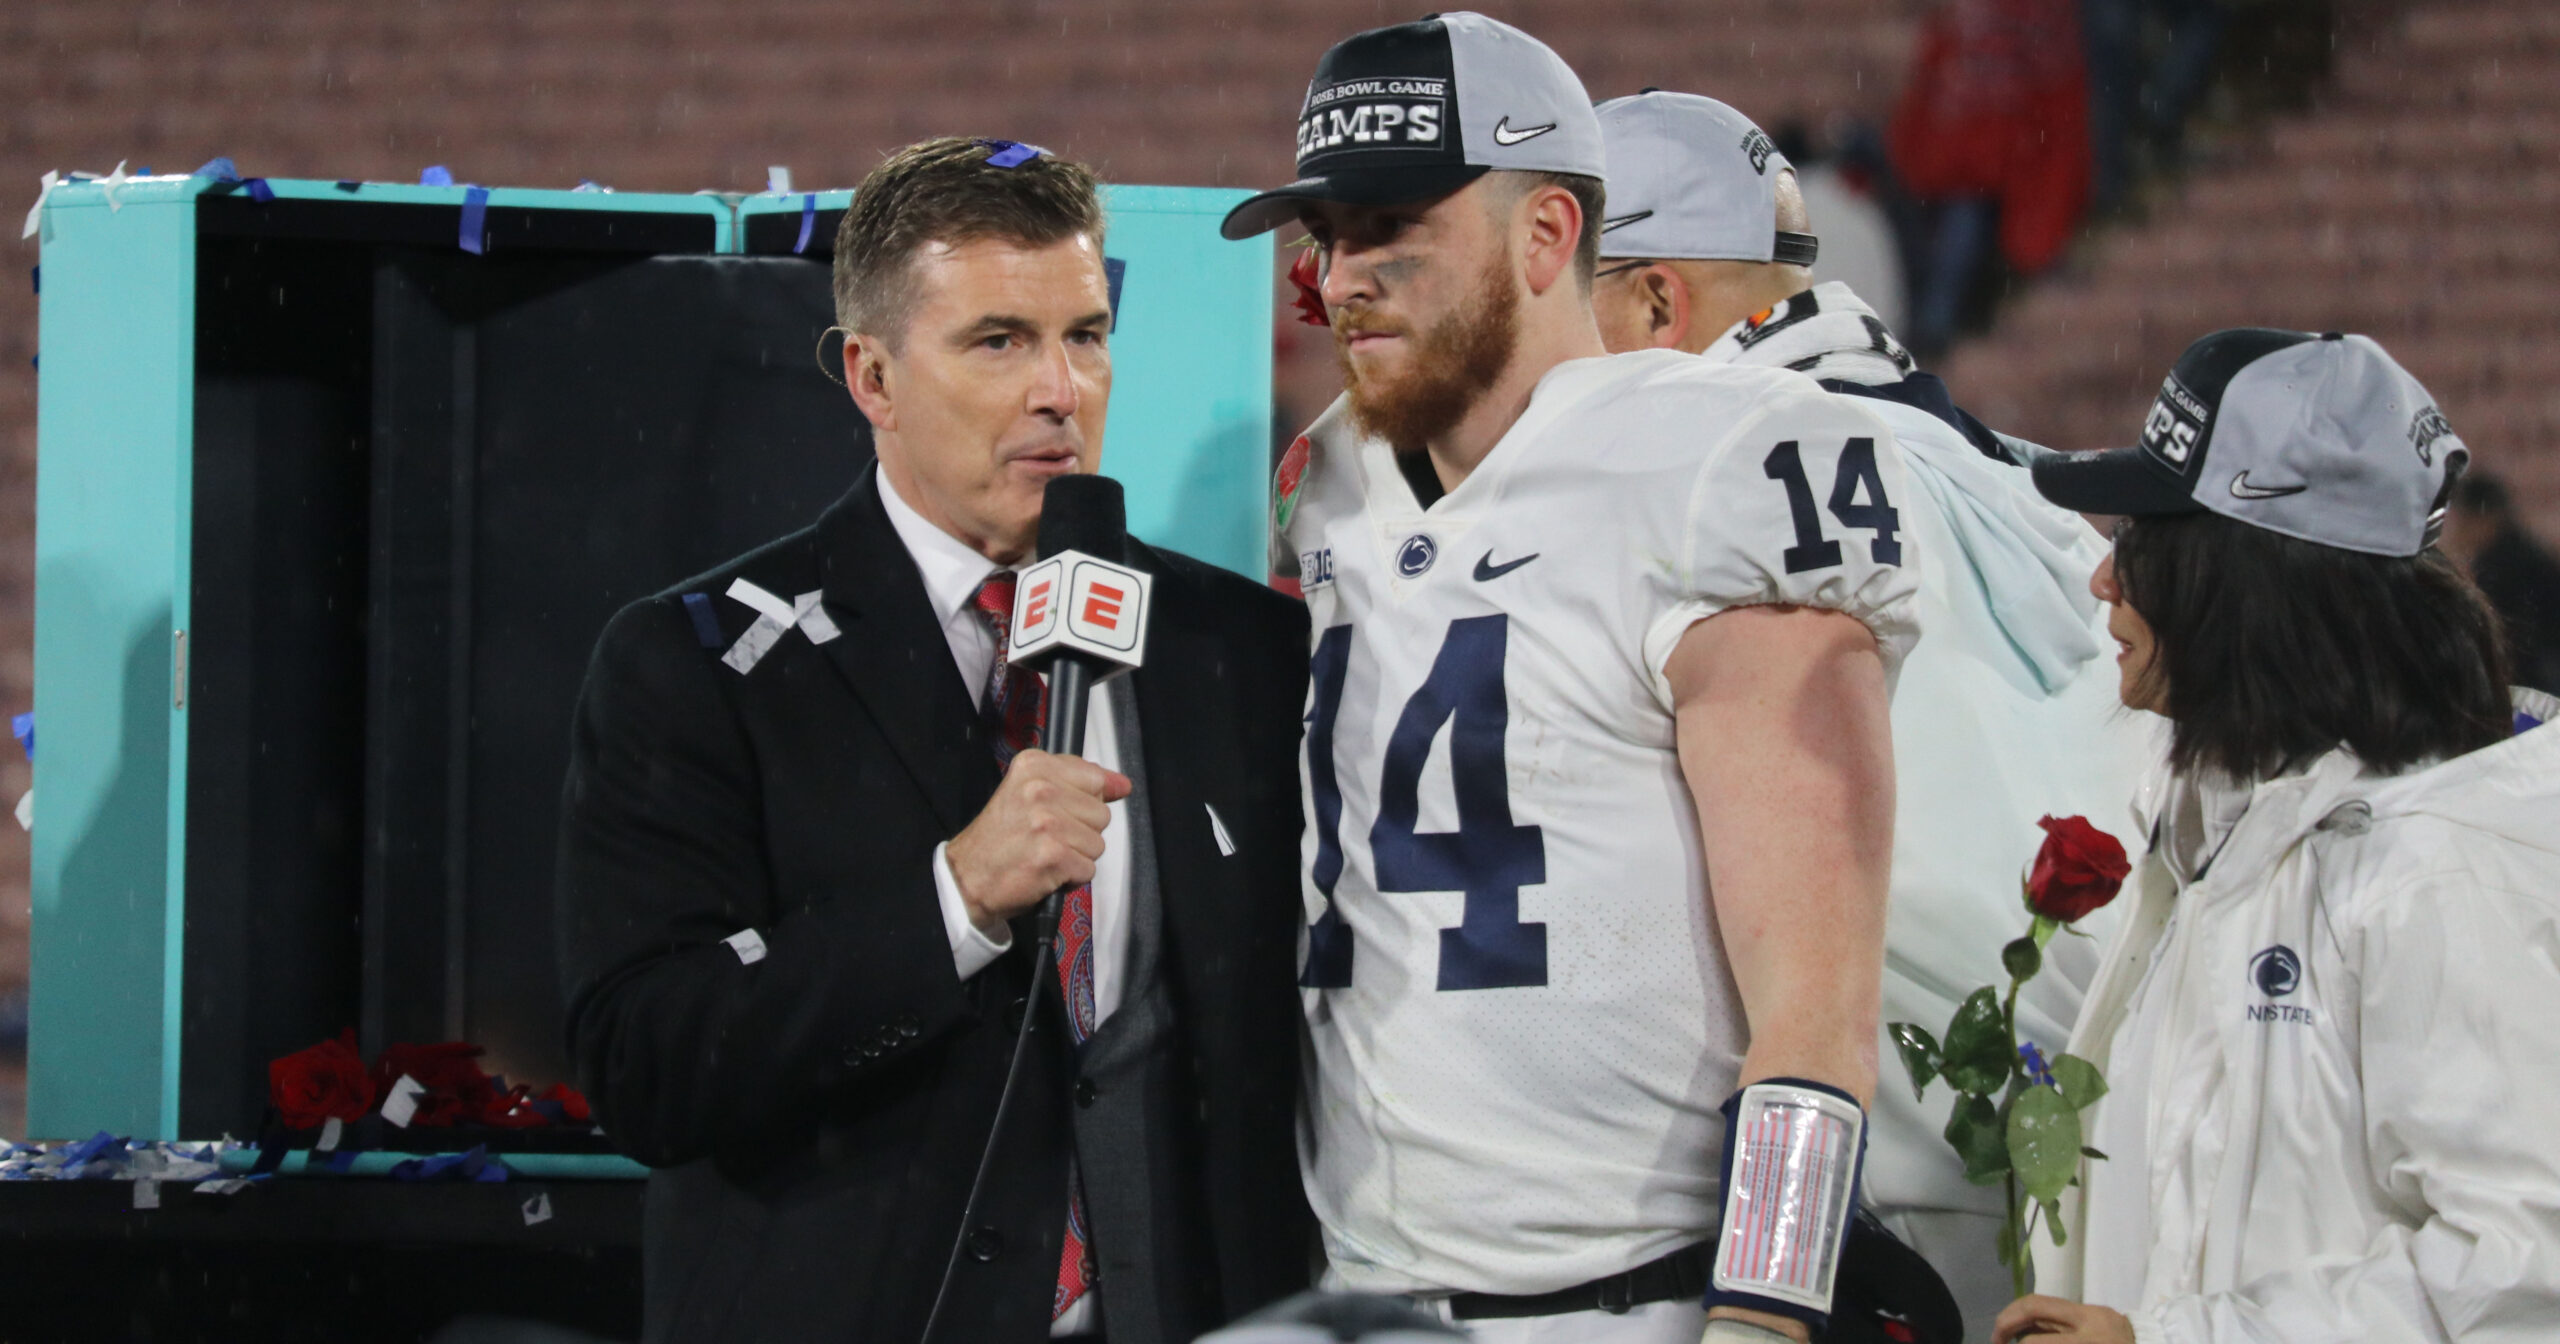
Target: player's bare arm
(1786,750)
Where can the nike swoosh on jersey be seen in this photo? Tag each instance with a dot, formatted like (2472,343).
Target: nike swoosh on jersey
(2242,489)
(1624,220)
(1504,135)
(1486,569)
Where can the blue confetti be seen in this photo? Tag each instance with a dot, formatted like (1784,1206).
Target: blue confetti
(475,220)
(1114,270)
(1011,153)
(2034,1060)
(219,168)
(259,191)
(475,1165)
(349,184)
(23,728)
(808,222)
(436,175)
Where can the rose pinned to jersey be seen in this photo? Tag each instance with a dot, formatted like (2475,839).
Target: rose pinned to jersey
(2077,872)
(1284,486)
(2016,1119)
(325,1082)
(1309,279)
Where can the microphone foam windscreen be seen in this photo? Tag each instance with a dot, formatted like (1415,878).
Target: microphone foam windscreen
(1084,513)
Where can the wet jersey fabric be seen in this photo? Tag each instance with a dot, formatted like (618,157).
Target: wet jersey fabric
(1520,1016)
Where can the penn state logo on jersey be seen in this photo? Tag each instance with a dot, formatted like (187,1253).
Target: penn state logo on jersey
(1414,557)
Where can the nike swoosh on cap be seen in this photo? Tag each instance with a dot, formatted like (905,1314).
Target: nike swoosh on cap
(1504,135)
(2242,489)
(1486,569)
(1624,220)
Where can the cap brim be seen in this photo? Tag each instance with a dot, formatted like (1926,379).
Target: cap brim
(2116,481)
(1350,186)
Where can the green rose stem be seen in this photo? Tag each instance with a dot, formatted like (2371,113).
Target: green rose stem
(2013,1211)
(2030,1142)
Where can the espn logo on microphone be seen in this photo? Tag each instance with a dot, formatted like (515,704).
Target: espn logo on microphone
(1074,603)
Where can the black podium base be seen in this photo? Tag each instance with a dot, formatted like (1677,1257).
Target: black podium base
(318,1260)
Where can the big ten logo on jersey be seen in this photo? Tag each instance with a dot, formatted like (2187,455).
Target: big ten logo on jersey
(2177,421)
(1315,568)
(1375,114)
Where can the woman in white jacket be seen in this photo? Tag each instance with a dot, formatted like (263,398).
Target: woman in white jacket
(2332,1018)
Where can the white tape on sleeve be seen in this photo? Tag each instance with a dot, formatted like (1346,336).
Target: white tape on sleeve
(814,621)
(765,603)
(774,619)
(756,643)
(748,944)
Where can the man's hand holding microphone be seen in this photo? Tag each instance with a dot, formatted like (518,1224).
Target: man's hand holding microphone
(1041,831)
(1080,616)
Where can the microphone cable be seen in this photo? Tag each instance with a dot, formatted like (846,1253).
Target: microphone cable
(1045,950)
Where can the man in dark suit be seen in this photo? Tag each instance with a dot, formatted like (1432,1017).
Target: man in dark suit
(805,835)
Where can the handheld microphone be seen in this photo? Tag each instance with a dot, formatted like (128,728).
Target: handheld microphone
(1081,613)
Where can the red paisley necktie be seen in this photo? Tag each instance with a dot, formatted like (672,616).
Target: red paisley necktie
(1017,707)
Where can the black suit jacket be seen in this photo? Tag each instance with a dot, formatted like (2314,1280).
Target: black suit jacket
(815,1117)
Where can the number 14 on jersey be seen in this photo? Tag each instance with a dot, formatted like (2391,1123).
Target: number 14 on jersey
(1489,858)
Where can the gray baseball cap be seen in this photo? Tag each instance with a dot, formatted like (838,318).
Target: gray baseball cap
(1421,109)
(2321,438)
(1691,179)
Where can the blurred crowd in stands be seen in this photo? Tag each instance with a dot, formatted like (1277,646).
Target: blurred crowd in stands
(2019,121)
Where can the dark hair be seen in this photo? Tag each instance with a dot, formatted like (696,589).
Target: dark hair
(944,191)
(2274,649)
(1589,193)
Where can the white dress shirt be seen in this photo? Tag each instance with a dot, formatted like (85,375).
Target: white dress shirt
(953,573)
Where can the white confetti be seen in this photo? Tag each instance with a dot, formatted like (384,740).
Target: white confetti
(402,1105)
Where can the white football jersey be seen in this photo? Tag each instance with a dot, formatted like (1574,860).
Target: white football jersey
(1521,1018)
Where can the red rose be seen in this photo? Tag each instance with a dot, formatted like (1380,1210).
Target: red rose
(572,1104)
(457,1091)
(2077,870)
(308,1087)
(1310,302)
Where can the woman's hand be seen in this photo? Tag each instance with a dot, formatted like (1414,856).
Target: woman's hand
(2050,1320)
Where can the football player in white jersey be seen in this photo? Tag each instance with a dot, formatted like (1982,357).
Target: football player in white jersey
(1599,781)
(2004,714)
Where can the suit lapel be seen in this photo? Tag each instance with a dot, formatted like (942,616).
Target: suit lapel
(894,656)
(1182,741)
